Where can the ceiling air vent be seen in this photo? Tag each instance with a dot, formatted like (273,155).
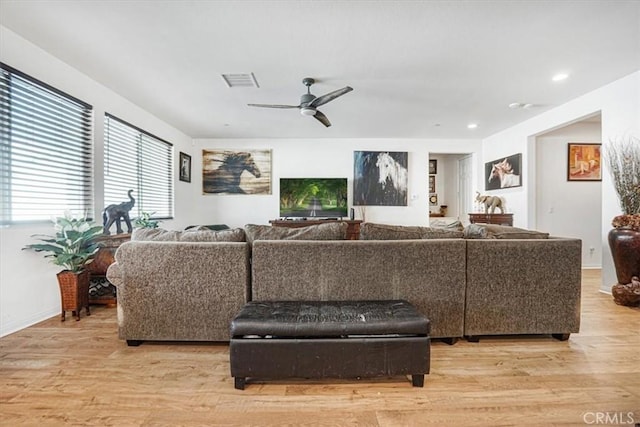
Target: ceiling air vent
(240,80)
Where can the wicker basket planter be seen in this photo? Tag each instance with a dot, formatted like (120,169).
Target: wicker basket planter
(74,292)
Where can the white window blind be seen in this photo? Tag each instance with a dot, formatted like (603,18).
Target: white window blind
(46,159)
(136,160)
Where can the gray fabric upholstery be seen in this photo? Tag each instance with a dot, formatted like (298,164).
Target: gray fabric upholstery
(494,231)
(523,286)
(179,290)
(329,231)
(191,235)
(455,226)
(430,274)
(190,290)
(373,231)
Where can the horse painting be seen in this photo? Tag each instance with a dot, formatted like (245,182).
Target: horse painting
(390,170)
(380,178)
(235,172)
(503,173)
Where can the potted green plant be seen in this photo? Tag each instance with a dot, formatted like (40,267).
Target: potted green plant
(72,247)
(623,160)
(145,221)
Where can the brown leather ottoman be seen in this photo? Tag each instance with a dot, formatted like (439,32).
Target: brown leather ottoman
(329,339)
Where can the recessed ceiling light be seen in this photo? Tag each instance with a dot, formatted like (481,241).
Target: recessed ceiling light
(559,77)
(472,125)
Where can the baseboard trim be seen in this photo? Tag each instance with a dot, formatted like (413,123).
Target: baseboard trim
(16,325)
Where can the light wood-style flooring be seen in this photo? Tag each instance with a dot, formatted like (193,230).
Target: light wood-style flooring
(79,373)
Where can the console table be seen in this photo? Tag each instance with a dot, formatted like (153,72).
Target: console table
(353,225)
(101,291)
(500,219)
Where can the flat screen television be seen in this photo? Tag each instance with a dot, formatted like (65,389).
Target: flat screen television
(313,197)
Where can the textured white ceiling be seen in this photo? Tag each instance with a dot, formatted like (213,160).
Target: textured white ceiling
(419,69)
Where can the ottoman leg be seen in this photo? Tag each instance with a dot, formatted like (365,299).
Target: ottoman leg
(417,380)
(239,383)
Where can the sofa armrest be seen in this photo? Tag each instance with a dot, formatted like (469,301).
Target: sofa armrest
(114,274)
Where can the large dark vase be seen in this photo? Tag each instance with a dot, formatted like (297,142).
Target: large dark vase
(625,249)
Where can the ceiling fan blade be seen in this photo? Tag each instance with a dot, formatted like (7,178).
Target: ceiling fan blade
(322,118)
(273,106)
(321,100)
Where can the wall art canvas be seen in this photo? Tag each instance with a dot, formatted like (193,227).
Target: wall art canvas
(583,163)
(380,178)
(504,172)
(236,172)
(432,183)
(185,167)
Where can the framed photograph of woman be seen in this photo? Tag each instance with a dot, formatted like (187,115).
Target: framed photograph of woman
(185,167)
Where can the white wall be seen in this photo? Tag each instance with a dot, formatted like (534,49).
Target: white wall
(28,287)
(568,208)
(619,104)
(292,158)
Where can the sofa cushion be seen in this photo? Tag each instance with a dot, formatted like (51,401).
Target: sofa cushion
(329,231)
(373,231)
(493,231)
(231,235)
(441,224)
(161,235)
(154,235)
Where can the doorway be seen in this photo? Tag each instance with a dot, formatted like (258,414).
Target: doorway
(565,207)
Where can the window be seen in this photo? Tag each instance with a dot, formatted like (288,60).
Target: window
(136,160)
(46,159)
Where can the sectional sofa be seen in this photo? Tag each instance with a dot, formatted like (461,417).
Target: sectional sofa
(189,285)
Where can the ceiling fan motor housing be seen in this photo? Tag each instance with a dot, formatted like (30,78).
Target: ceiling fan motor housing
(305,100)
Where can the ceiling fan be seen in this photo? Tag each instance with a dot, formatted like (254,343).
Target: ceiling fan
(309,102)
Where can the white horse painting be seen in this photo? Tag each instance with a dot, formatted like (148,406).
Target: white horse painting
(503,171)
(391,170)
(380,178)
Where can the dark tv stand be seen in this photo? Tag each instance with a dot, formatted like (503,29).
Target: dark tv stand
(353,229)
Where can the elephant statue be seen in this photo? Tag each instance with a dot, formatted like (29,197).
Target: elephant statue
(116,213)
(490,203)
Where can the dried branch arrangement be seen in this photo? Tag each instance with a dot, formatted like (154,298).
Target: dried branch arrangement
(623,160)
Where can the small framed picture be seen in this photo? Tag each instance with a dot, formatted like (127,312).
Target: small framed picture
(432,184)
(584,162)
(185,167)
(433,167)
